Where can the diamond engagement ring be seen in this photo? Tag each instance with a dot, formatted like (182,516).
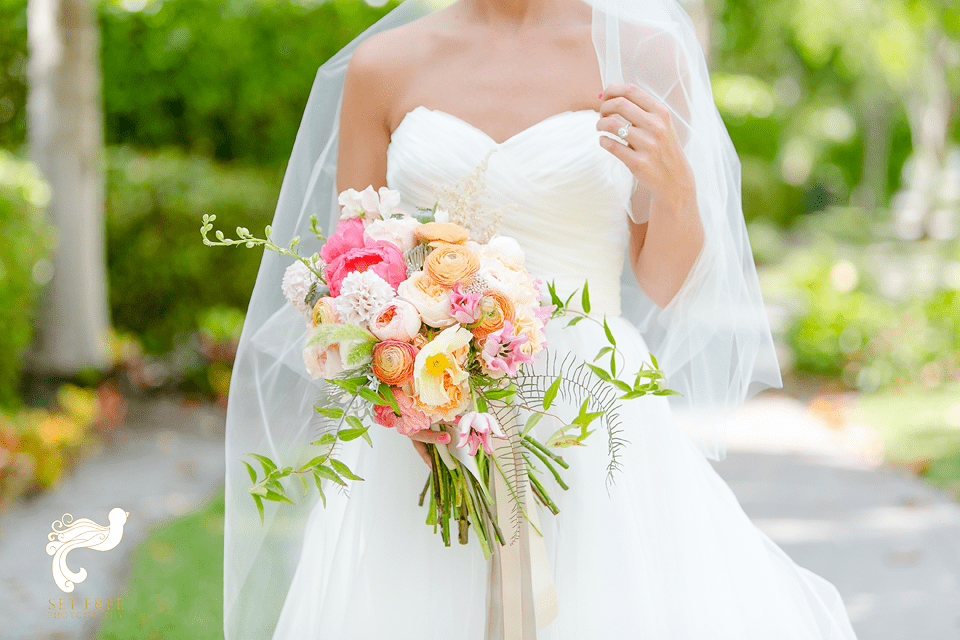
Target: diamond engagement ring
(622,131)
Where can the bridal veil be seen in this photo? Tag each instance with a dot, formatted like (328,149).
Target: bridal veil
(712,341)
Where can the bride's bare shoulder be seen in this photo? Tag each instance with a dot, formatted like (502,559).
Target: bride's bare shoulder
(391,56)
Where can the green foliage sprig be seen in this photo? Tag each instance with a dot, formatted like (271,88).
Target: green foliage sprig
(250,241)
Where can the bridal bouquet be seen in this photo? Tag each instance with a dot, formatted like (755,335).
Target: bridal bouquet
(432,322)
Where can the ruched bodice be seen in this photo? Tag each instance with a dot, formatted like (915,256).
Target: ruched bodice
(571,196)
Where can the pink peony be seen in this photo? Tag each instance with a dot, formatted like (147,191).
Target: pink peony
(381,257)
(396,320)
(349,235)
(410,421)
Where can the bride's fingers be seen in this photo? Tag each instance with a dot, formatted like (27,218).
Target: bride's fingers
(433,437)
(422,450)
(637,137)
(638,163)
(621,109)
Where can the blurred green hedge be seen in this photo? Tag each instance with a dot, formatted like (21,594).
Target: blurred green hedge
(224,78)
(162,277)
(24,263)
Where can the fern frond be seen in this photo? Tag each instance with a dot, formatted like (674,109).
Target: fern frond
(577,384)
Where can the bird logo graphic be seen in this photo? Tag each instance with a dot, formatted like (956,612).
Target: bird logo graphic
(68,535)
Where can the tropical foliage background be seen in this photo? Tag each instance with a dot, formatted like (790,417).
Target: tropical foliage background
(846,115)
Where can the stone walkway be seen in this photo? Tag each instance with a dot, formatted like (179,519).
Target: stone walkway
(888,541)
(168,462)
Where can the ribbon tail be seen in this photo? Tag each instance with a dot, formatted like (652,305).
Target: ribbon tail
(521,593)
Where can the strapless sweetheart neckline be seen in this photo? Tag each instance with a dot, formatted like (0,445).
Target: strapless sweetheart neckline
(518,135)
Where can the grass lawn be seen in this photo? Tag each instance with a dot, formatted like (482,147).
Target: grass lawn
(919,427)
(176,583)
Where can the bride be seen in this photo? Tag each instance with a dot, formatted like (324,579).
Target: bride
(629,167)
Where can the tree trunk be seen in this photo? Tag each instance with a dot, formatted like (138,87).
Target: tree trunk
(65,134)
(928,111)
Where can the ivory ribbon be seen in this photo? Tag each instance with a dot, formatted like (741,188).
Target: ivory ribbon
(521,596)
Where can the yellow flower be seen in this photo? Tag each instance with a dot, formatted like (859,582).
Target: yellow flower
(440,383)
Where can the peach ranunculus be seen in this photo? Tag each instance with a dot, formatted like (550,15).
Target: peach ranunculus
(325,312)
(442,232)
(396,320)
(410,421)
(495,309)
(449,264)
(393,361)
(430,298)
(440,382)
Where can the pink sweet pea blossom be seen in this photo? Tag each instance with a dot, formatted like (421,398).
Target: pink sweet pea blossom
(464,307)
(476,429)
(501,350)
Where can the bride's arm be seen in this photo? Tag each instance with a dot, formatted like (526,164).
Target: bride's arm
(364,136)
(368,91)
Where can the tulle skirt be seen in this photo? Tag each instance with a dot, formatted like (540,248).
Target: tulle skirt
(666,553)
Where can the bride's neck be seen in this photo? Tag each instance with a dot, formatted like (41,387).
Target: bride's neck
(510,13)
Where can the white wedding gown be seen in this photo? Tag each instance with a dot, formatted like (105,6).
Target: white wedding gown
(668,554)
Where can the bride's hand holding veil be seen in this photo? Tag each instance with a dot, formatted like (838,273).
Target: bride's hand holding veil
(652,152)
(661,253)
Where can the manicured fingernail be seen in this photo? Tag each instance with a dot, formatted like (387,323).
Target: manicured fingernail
(444,438)
(601,95)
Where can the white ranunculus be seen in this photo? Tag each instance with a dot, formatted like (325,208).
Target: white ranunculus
(441,215)
(507,250)
(399,231)
(501,277)
(322,362)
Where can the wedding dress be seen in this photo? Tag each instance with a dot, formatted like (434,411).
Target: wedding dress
(666,554)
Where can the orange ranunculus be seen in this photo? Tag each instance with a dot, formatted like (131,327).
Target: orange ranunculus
(449,264)
(393,361)
(495,309)
(442,232)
